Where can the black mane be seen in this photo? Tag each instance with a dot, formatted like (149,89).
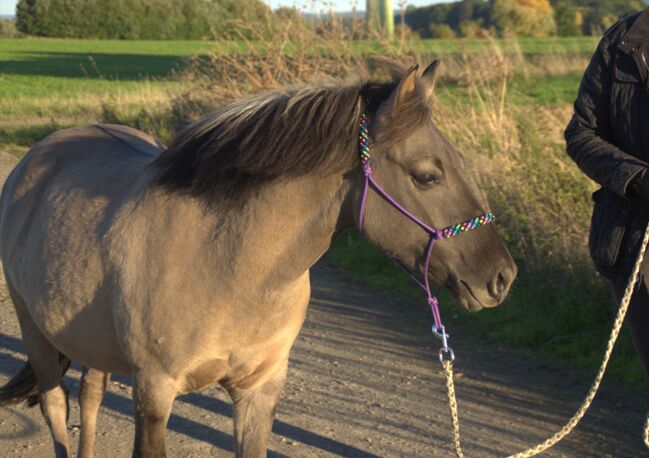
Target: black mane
(283,134)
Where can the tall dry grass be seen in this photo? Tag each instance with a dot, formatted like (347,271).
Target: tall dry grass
(518,155)
(516,149)
(288,51)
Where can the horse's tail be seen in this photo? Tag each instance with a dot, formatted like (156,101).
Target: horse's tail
(23,386)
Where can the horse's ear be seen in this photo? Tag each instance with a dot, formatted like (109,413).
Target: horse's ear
(429,77)
(407,87)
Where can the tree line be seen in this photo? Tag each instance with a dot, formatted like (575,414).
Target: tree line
(137,19)
(197,19)
(470,18)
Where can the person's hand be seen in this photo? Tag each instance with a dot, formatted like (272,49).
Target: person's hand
(640,185)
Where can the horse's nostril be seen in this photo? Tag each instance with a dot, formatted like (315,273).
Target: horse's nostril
(500,284)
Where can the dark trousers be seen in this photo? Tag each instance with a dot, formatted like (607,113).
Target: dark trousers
(637,318)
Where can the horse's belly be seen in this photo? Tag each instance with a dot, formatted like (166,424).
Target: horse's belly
(92,346)
(70,298)
(77,318)
(101,359)
(88,338)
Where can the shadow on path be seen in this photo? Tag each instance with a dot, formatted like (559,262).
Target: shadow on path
(123,405)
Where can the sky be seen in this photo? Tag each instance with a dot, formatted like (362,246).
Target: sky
(8,7)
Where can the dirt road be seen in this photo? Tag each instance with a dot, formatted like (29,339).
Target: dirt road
(363,382)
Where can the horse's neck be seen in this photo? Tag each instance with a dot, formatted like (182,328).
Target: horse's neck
(265,243)
(287,228)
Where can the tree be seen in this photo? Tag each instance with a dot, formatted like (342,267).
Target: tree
(591,17)
(443,31)
(471,29)
(521,17)
(27,16)
(8,29)
(233,18)
(423,20)
(138,19)
(533,18)
(568,19)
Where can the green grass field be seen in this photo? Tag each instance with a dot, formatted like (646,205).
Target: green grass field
(36,67)
(47,84)
(52,83)
(40,68)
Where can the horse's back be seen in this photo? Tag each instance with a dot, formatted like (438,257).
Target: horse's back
(97,162)
(55,210)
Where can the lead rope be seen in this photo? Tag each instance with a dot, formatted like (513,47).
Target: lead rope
(576,418)
(452,405)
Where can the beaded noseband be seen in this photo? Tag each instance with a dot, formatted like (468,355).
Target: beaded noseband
(435,234)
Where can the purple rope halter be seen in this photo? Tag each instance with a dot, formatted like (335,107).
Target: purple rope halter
(447,232)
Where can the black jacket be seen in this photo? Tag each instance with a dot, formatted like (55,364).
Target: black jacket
(608,138)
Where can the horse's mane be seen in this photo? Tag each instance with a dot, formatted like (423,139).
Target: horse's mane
(288,133)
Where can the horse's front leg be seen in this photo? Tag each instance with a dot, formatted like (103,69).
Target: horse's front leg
(153,394)
(254,411)
(93,387)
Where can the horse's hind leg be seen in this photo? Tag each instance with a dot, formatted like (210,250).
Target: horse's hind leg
(153,394)
(93,387)
(254,411)
(49,366)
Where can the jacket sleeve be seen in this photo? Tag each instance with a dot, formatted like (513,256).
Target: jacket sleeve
(588,135)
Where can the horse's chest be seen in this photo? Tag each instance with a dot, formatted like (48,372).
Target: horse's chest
(229,340)
(244,356)
(205,374)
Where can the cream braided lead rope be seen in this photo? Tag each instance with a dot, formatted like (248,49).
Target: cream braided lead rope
(452,405)
(576,418)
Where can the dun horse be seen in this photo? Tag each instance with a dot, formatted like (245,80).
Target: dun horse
(189,266)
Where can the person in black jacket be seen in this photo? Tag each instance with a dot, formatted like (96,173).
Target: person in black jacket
(608,138)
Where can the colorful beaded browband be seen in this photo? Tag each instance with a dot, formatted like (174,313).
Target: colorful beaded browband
(467,225)
(364,141)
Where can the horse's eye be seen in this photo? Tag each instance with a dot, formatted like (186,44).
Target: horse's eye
(427,178)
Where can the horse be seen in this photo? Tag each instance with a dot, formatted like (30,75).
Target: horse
(188,266)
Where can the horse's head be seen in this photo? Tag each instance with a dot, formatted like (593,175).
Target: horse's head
(425,174)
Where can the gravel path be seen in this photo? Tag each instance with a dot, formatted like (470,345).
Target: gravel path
(363,382)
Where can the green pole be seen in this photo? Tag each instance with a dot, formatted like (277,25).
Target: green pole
(386,13)
(380,16)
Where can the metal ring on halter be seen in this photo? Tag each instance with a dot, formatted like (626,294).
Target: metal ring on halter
(446,351)
(441,335)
